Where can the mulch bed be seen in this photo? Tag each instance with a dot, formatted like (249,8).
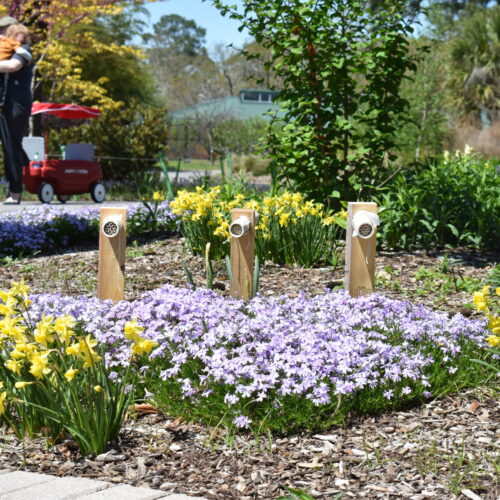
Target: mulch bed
(447,448)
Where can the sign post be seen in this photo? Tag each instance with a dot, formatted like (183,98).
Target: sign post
(112,245)
(361,242)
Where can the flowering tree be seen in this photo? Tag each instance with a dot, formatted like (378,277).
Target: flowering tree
(58,40)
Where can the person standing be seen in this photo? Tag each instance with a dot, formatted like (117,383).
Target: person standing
(15,102)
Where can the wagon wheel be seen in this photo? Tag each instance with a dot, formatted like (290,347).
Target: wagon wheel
(45,192)
(63,198)
(98,192)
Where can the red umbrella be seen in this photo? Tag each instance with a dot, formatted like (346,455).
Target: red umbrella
(71,111)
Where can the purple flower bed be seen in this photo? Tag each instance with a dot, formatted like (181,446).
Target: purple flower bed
(313,347)
(37,229)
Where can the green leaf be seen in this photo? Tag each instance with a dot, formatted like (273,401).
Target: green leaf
(339,63)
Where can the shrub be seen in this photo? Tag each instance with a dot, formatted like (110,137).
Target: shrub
(134,135)
(454,201)
(254,165)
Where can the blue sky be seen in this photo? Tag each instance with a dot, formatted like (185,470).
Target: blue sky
(219,29)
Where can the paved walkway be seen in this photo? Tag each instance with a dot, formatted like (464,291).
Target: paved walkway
(20,485)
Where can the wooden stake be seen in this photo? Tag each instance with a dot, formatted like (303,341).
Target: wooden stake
(360,255)
(111,274)
(242,257)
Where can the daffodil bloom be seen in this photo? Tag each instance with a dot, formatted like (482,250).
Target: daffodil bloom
(70,374)
(73,350)
(480,301)
(22,385)
(97,388)
(157,196)
(40,365)
(44,331)
(494,324)
(19,289)
(3,397)
(493,340)
(133,330)
(14,366)
(87,353)
(63,326)
(143,346)
(23,350)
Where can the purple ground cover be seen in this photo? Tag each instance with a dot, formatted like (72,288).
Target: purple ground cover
(314,347)
(32,230)
(46,227)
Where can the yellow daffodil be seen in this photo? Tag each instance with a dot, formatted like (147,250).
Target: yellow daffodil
(70,374)
(87,353)
(73,350)
(480,301)
(133,330)
(493,340)
(40,365)
(14,366)
(19,289)
(143,346)
(63,326)
(22,385)
(157,196)
(3,397)
(98,388)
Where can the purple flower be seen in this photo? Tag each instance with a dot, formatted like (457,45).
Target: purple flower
(388,394)
(242,422)
(271,347)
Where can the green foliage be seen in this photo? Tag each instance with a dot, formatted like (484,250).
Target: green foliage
(128,140)
(174,33)
(125,77)
(239,136)
(474,60)
(342,64)
(297,495)
(422,136)
(453,201)
(493,278)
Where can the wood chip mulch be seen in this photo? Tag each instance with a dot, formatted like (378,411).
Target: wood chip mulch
(448,448)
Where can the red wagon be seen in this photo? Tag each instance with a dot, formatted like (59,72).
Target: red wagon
(76,172)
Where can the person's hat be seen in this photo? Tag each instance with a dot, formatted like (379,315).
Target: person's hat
(7,21)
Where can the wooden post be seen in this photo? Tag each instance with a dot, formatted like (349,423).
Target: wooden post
(111,274)
(360,254)
(242,257)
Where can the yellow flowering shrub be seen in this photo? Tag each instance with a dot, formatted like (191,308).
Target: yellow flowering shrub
(290,228)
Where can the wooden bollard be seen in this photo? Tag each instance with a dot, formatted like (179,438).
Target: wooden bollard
(112,245)
(361,243)
(242,252)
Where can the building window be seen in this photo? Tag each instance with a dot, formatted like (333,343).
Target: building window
(251,96)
